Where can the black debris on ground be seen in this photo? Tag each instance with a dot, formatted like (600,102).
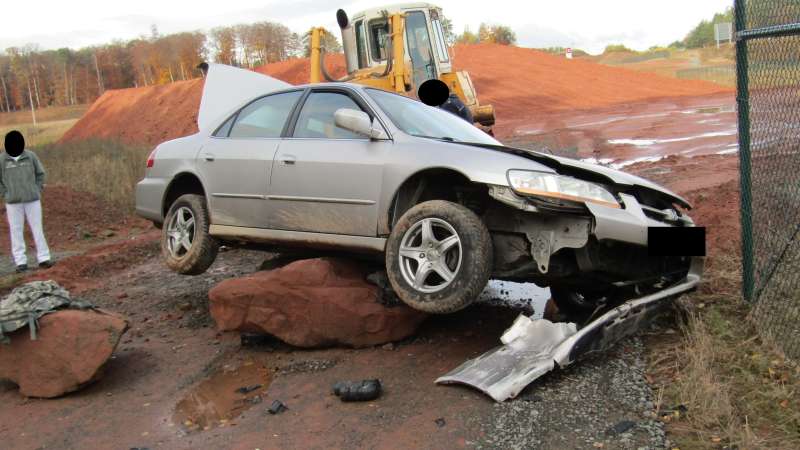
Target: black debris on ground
(357,391)
(277,407)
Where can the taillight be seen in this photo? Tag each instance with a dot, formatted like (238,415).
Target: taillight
(151,159)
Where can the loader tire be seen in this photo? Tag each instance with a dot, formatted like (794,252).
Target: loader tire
(187,224)
(439,257)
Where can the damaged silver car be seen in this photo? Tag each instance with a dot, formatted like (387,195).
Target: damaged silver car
(349,167)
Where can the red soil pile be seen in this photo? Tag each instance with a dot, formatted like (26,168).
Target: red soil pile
(144,115)
(521,83)
(296,70)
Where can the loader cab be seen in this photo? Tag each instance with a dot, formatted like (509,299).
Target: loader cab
(427,53)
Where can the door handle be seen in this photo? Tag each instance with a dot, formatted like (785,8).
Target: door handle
(287,160)
(209,156)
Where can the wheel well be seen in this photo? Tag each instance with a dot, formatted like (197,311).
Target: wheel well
(185,183)
(437,184)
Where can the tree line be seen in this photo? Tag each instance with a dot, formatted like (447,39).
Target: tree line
(492,34)
(30,76)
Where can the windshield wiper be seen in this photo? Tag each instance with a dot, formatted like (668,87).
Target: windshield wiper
(438,138)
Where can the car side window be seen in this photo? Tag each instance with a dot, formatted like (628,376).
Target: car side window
(265,117)
(225,128)
(316,118)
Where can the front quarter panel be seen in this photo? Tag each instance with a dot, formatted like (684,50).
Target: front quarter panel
(410,155)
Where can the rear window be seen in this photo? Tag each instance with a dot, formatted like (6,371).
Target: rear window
(265,117)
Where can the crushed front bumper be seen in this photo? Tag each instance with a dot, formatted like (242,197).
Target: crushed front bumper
(533,348)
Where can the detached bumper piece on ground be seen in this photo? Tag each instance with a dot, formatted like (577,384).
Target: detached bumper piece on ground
(533,348)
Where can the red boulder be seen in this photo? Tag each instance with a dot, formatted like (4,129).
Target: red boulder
(70,351)
(312,303)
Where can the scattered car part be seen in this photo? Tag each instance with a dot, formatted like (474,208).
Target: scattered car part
(357,391)
(277,407)
(247,389)
(532,348)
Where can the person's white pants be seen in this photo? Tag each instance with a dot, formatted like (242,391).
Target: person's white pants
(17,214)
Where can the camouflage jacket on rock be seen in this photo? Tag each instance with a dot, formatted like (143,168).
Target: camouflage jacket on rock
(27,303)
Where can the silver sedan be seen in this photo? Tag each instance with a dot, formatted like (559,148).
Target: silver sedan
(445,205)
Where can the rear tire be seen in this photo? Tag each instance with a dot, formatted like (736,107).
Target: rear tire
(186,246)
(439,257)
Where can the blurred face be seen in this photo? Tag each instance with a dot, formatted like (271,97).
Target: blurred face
(14,143)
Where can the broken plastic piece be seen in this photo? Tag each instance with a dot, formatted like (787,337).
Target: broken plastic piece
(357,391)
(533,348)
(277,407)
(527,354)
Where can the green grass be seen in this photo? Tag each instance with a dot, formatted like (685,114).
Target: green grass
(43,133)
(107,169)
(740,390)
(49,114)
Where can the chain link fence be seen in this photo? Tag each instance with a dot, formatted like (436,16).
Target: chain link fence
(768,81)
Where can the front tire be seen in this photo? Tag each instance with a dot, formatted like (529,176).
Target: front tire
(186,246)
(439,257)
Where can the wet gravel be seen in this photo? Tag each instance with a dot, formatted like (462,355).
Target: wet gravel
(602,401)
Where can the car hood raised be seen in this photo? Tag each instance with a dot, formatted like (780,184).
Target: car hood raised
(226,88)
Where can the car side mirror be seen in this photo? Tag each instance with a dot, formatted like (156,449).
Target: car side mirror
(359,122)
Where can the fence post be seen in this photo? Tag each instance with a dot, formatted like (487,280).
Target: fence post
(743,104)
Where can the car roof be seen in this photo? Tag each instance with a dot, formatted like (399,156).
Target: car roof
(339,84)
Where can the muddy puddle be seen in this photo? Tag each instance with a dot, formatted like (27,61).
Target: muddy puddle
(224,396)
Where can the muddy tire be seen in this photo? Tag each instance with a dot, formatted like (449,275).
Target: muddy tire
(186,246)
(439,257)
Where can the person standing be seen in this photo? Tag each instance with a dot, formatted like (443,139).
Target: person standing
(21,183)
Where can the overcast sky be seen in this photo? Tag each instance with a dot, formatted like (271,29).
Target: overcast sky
(585,24)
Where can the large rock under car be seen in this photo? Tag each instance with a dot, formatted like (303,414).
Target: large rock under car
(312,303)
(71,350)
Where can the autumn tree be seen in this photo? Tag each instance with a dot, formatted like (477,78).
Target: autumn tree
(328,43)
(467,37)
(223,45)
(30,76)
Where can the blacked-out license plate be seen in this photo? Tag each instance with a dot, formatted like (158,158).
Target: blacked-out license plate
(676,241)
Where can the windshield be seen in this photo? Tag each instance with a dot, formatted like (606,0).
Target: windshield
(417,119)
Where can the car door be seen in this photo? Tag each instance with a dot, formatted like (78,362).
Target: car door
(235,164)
(326,179)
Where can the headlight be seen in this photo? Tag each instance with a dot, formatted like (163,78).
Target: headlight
(562,187)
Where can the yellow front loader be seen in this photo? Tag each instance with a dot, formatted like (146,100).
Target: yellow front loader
(398,48)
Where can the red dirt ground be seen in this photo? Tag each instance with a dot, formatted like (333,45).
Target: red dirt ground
(522,83)
(65,220)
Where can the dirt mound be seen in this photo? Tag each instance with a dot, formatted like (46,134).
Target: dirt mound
(154,114)
(521,83)
(145,115)
(525,84)
(296,70)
